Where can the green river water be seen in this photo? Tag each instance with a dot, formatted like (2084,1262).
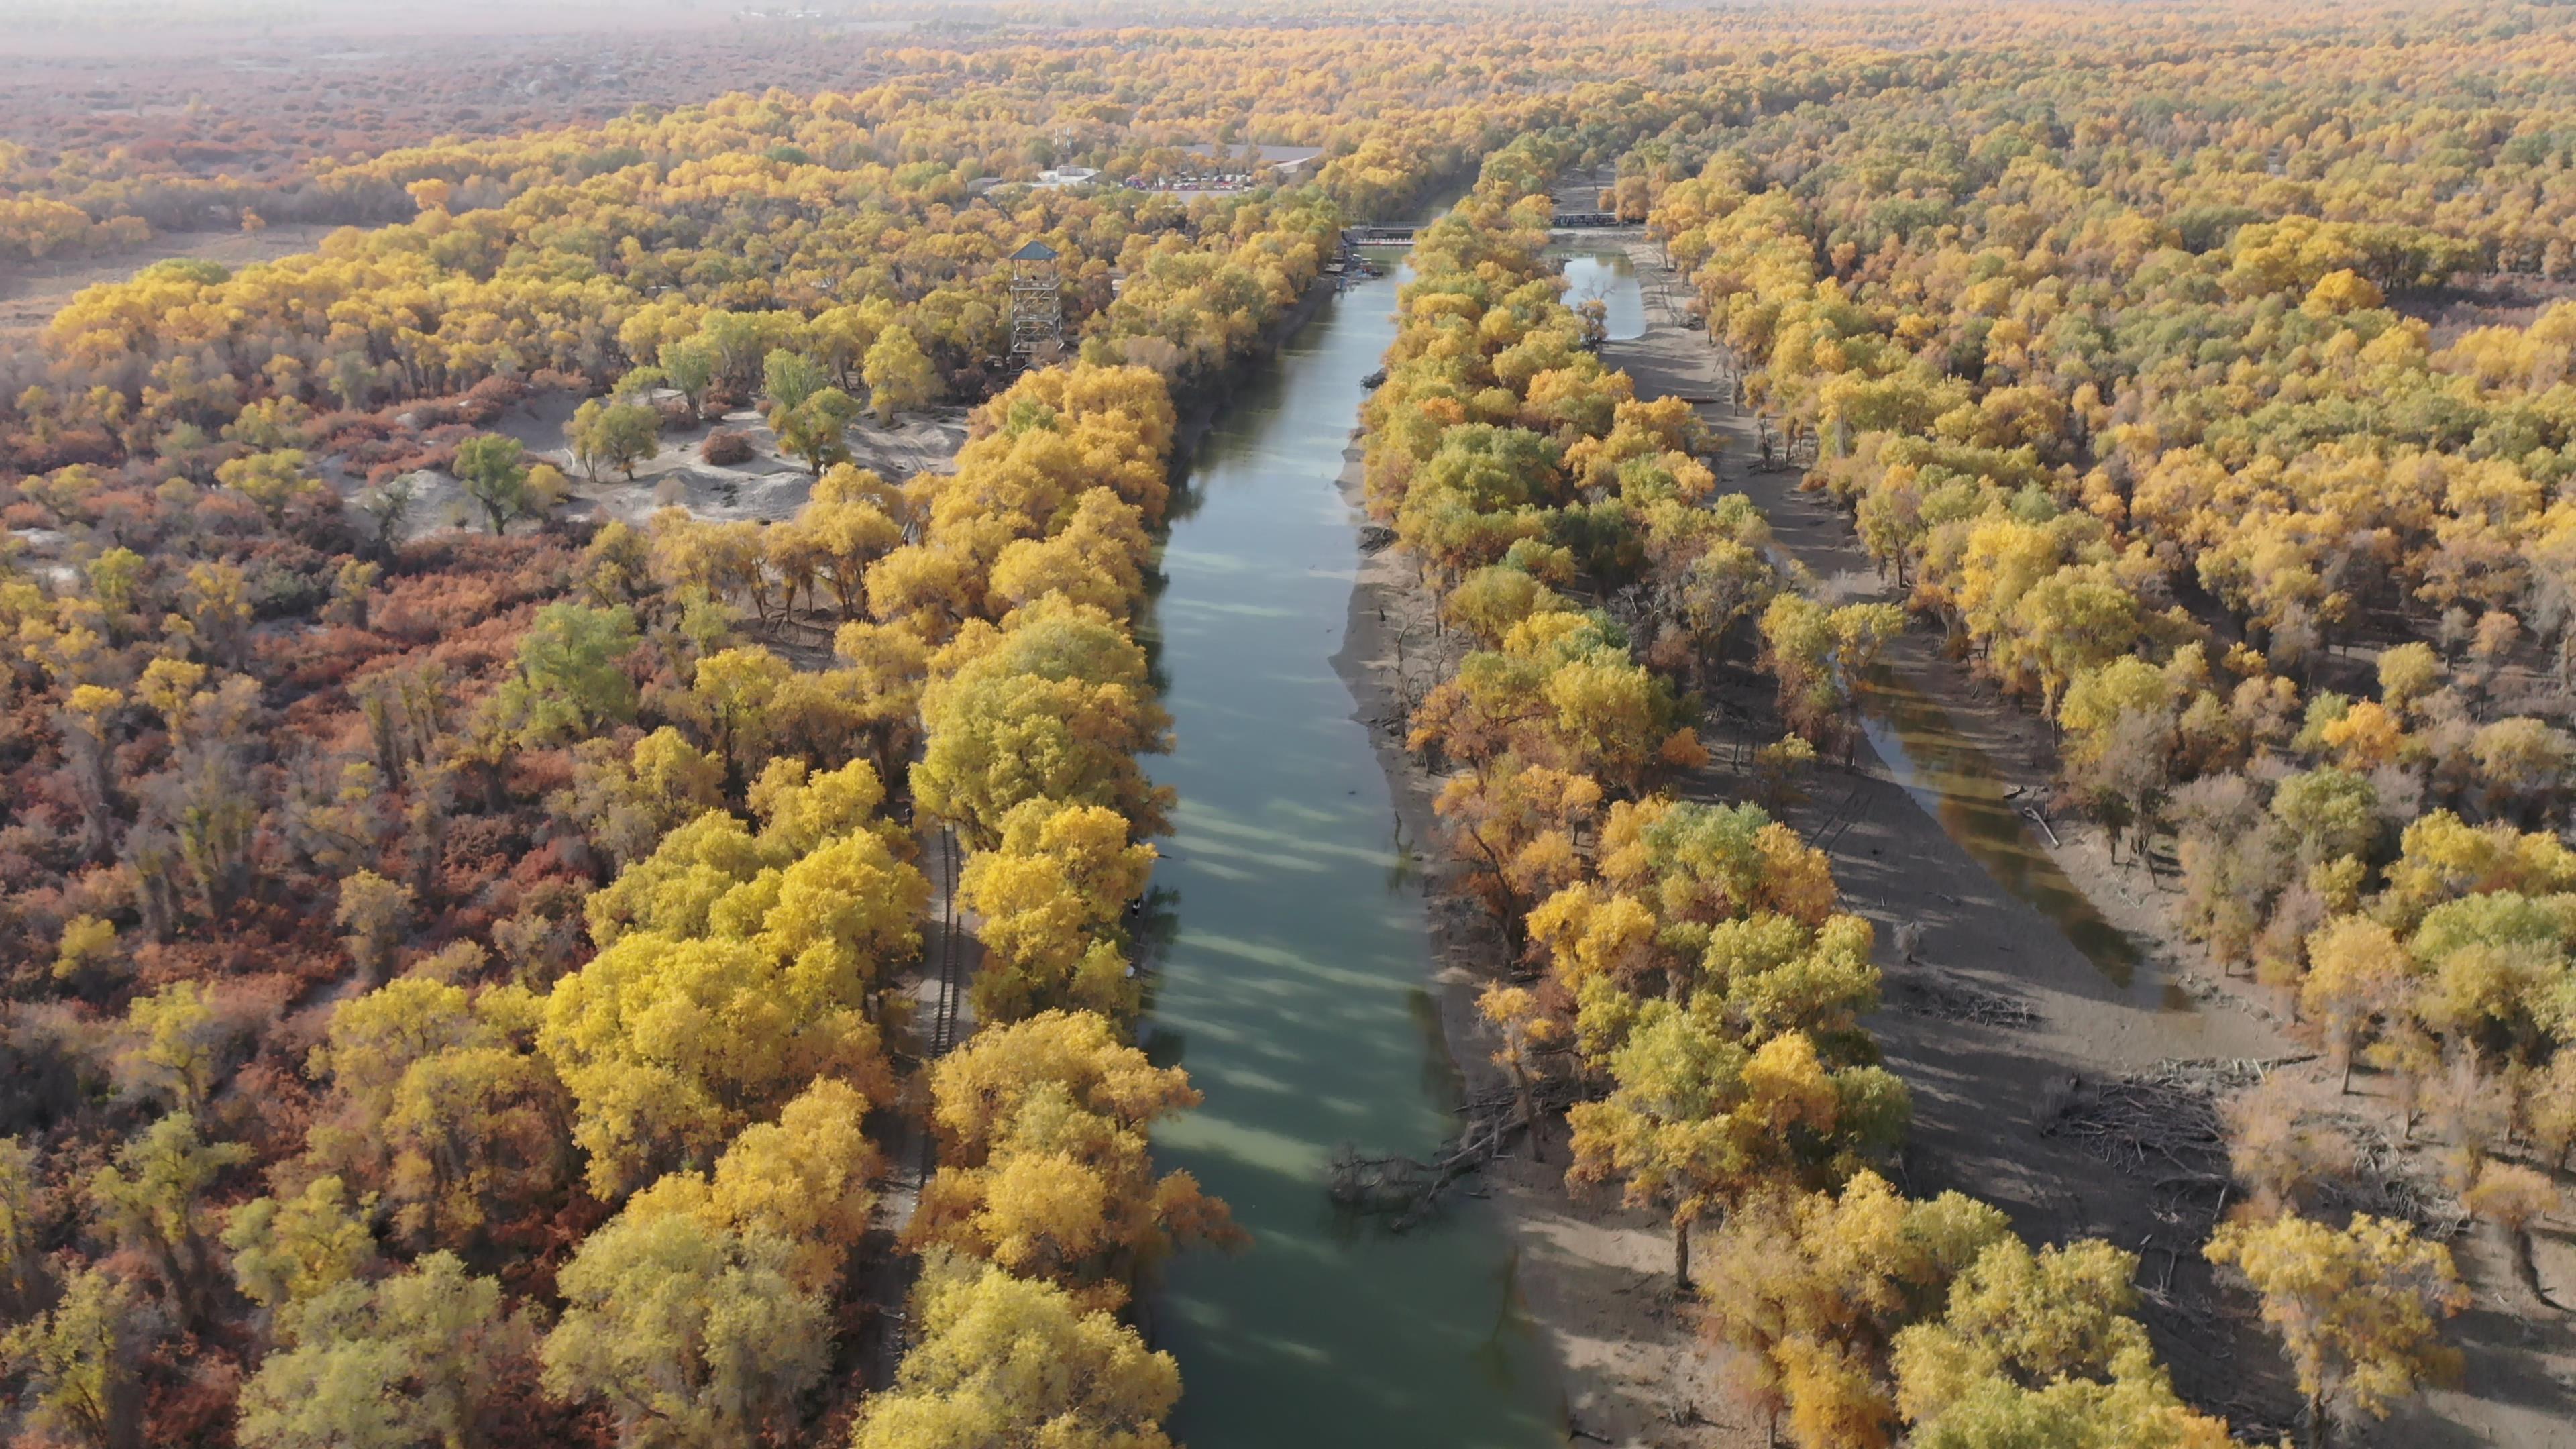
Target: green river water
(1293,983)
(1290,947)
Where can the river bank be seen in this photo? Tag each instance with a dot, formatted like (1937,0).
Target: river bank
(1596,1278)
(1902,850)
(2044,971)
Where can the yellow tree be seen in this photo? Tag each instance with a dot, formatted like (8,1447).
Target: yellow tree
(177,1044)
(1809,1289)
(2357,973)
(1094,559)
(1697,1118)
(1045,1167)
(291,1250)
(2042,1348)
(802,1179)
(2359,1311)
(1052,893)
(1004,1360)
(1055,707)
(898,375)
(437,1102)
(626,800)
(1514,826)
(669,1046)
(1528,1031)
(695,1337)
(847,527)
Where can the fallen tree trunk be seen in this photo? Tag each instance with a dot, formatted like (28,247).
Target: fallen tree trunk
(1405,1190)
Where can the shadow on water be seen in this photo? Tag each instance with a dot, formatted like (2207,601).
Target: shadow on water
(1960,786)
(1287,937)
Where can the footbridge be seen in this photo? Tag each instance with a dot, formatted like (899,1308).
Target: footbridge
(1402,236)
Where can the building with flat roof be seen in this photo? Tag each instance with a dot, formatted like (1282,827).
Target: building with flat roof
(1279,163)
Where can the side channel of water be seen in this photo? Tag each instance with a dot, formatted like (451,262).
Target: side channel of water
(1294,984)
(1963,789)
(1924,749)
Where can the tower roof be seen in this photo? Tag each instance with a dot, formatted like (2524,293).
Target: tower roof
(1035,251)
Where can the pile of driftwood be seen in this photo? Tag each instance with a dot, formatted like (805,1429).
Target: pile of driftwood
(2385,1183)
(2160,1124)
(1405,1190)
(1952,997)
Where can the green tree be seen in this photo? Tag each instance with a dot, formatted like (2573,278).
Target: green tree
(2043,1344)
(694,1337)
(790,377)
(815,429)
(2331,813)
(494,473)
(691,367)
(20,1226)
(415,1359)
(292,1250)
(153,1198)
(76,1359)
(571,672)
(618,435)
(1819,656)
(275,481)
(376,912)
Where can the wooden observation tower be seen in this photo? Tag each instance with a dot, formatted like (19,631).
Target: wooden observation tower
(1037,305)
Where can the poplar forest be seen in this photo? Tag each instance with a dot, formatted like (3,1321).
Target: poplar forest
(585,640)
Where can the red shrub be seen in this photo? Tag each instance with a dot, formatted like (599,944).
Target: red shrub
(319,658)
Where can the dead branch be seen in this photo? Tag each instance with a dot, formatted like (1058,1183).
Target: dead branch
(1938,993)
(1406,1190)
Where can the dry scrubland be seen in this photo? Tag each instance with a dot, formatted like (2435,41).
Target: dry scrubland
(569,731)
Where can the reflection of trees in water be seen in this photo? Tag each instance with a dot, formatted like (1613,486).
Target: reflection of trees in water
(1926,753)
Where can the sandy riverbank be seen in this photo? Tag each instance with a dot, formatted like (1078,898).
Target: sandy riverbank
(1595,1277)
(1975,1084)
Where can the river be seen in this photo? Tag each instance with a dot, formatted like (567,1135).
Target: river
(1294,984)
(1592,273)
(1291,978)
